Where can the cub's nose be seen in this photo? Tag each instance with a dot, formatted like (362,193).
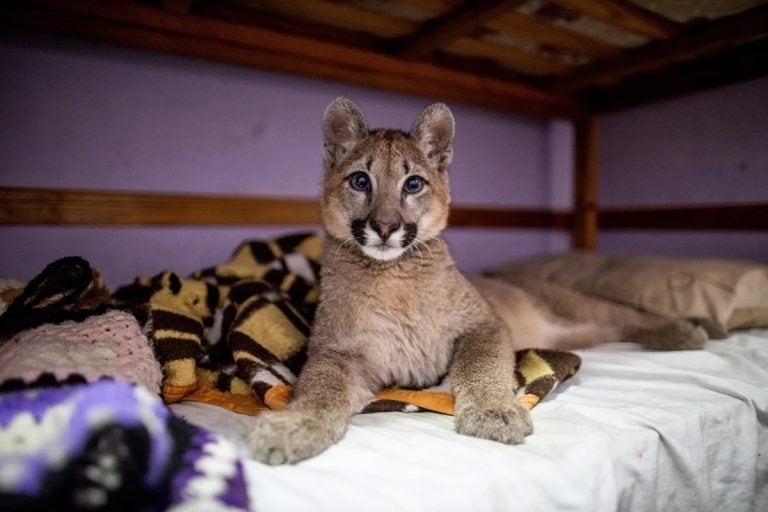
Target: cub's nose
(384,229)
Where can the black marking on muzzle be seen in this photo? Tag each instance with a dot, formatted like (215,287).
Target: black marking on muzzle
(410,233)
(358,230)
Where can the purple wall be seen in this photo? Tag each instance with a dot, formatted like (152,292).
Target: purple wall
(80,115)
(710,147)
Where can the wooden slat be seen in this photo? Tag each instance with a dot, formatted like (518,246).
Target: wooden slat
(584,234)
(513,58)
(234,12)
(527,28)
(151,28)
(179,7)
(745,62)
(624,15)
(452,25)
(723,217)
(479,65)
(745,27)
(40,206)
(30,206)
(340,15)
(433,6)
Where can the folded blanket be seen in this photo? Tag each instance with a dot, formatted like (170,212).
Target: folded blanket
(63,328)
(235,335)
(110,446)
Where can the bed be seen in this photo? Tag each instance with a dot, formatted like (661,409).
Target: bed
(617,426)
(632,429)
(626,433)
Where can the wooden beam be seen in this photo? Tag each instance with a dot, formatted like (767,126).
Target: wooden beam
(584,234)
(483,66)
(699,41)
(458,22)
(745,62)
(234,12)
(178,7)
(432,6)
(30,206)
(340,15)
(509,57)
(41,206)
(624,15)
(151,28)
(529,29)
(722,217)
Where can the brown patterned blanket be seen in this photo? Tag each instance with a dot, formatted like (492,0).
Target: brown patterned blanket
(235,335)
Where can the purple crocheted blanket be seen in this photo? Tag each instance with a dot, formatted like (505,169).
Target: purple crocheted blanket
(110,446)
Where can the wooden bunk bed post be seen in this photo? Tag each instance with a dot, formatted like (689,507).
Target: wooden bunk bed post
(584,229)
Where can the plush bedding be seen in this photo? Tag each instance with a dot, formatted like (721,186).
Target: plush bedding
(633,430)
(719,294)
(627,429)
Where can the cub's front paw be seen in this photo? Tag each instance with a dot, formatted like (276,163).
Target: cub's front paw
(287,437)
(507,424)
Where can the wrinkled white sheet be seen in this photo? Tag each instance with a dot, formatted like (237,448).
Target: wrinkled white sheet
(633,430)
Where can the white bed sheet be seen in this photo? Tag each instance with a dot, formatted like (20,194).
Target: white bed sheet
(633,430)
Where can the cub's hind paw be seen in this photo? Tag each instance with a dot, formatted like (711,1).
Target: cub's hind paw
(674,335)
(507,424)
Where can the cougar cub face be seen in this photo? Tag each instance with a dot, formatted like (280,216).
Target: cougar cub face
(385,190)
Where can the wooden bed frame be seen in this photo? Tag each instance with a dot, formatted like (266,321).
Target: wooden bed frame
(446,49)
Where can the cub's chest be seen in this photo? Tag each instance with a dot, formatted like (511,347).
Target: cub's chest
(412,302)
(406,330)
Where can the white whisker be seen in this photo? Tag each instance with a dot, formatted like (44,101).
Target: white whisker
(417,240)
(342,244)
(416,248)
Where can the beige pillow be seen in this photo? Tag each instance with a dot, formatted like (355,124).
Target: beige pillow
(722,295)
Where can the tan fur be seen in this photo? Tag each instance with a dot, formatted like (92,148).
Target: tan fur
(394,310)
(545,315)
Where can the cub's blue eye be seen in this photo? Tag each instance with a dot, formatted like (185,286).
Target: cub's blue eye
(413,185)
(360,181)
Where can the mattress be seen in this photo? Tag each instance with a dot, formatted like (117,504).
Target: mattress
(633,430)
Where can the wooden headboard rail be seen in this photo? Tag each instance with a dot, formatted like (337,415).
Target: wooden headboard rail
(46,206)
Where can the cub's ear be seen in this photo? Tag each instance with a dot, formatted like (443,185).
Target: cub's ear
(433,131)
(343,127)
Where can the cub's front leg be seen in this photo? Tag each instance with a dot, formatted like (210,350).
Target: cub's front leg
(329,390)
(483,379)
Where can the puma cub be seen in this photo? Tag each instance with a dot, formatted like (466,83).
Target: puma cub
(394,311)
